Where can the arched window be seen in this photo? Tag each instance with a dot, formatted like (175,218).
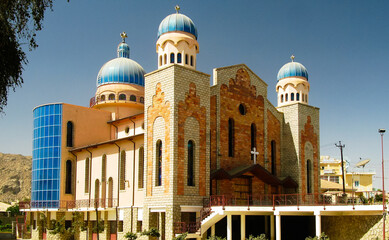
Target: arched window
(122,97)
(160,60)
(171,57)
(303,97)
(297,96)
(191,159)
(306,98)
(86,187)
(179,58)
(286,97)
(186,59)
(103,167)
(231,137)
(133,98)
(158,158)
(102,98)
(110,192)
(68,181)
(309,177)
(253,138)
(191,60)
(69,134)
(141,167)
(142,100)
(122,169)
(97,193)
(273,157)
(111,96)
(165,59)
(292,97)
(282,97)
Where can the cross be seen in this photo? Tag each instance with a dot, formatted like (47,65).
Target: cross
(255,153)
(123,35)
(177,8)
(292,57)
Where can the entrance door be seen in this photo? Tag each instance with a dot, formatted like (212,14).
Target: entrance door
(242,190)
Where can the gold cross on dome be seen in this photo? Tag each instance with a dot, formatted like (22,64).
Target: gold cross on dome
(123,35)
(177,8)
(292,57)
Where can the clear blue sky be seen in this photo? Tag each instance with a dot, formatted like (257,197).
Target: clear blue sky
(343,44)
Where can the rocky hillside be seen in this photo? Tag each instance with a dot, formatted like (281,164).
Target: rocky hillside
(15,177)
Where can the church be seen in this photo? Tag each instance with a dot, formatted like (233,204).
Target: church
(157,149)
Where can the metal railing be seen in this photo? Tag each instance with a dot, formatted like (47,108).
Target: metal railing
(63,204)
(187,227)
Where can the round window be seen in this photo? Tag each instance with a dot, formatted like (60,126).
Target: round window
(242,109)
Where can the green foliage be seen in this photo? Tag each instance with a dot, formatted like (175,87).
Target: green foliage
(322,237)
(14,210)
(378,198)
(152,232)
(363,199)
(58,227)
(6,228)
(260,237)
(215,238)
(19,22)
(131,236)
(98,227)
(181,236)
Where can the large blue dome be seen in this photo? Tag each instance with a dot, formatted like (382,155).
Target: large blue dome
(121,69)
(292,69)
(177,22)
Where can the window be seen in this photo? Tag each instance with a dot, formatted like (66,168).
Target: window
(122,169)
(133,98)
(334,179)
(97,192)
(179,58)
(242,109)
(69,134)
(110,192)
(309,178)
(356,183)
(191,158)
(122,97)
(68,181)
(273,157)
(303,97)
(186,59)
(86,187)
(142,100)
(282,97)
(160,60)
(103,167)
(165,59)
(297,96)
(191,60)
(253,138)
(102,98)
(286,97)
(158,158)
(141,167)
(171,57)
(306,98)
(292,97)
(231,137)
(111,96)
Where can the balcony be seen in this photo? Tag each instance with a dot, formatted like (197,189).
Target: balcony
(66,205)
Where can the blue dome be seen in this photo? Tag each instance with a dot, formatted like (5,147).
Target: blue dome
(177,22)
(121,69)
(292,69)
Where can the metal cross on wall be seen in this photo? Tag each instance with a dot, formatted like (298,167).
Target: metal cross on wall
(255,153)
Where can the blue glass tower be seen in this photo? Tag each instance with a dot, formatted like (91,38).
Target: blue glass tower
(46,158)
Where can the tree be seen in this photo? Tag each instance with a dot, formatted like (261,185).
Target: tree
(14,210)
(19,22)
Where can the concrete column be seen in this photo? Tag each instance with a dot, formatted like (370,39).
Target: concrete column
(318,223)
(213,230)
(272,235)
(278,226)
(243,227)
(229,227)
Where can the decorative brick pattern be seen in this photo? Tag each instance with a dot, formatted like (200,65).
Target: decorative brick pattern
(159,108)
(213,126)
(191,108)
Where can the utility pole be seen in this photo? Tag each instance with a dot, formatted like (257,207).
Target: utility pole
(381,131)
(341,157)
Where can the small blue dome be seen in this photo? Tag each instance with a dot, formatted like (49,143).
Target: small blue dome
(292,69)
(121,69)
(177,22)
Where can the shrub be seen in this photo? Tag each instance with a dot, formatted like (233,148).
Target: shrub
(181,236)
(260,237)
(152,232)
(322,237)
(131,236)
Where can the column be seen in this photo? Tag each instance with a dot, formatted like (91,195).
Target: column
(243,227)
(213,230)
(272,235)
(278,225)
(318,223)
(229,227)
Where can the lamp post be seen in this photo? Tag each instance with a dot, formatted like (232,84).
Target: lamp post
(381,131)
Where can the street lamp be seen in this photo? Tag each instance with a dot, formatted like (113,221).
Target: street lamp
(381,131)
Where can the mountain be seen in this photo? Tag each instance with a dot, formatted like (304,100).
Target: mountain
(15,177)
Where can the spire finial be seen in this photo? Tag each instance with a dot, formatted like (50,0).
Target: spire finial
(177,8)
(123,35)
(292,57)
